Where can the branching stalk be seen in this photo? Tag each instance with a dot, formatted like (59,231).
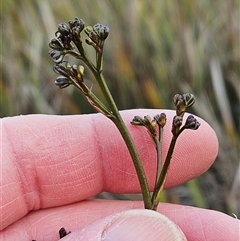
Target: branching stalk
(118,121)
(68,41)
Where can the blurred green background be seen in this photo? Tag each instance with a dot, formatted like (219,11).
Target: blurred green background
(155,49)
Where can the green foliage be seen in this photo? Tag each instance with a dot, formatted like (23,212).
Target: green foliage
(161,48)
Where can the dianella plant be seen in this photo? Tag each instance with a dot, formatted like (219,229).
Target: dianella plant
(70,39)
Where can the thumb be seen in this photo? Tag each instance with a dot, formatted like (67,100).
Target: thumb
(137,224)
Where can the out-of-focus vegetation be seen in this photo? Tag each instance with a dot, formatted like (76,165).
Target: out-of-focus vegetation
(155,49)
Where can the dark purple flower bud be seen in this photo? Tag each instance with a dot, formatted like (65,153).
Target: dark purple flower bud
(57,56)
(56,44)
(77,24)
(62,68)
(64,29)
(178,100)
(62,82)
(137,120)
(65,40)
(177,121)
(191,123)
(101,30)
(76,32)
(176,124)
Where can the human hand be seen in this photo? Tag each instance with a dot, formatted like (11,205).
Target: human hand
(51,165)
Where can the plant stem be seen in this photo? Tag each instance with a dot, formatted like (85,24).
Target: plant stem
(159,152)
(118,121)
(99,58)
(158,143)
(162,177)
(94,101)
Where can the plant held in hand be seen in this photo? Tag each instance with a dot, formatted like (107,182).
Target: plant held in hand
(69,41)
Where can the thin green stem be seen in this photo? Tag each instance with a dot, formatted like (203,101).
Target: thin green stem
(163,174)
(94,101)
(99,58)
(80,48)
(159,160)
(118,121)
(162,177)
(159,151)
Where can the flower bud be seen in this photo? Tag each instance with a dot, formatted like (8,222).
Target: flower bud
(77,23)
(178,100)
(191,123)
(77,26)
(62,82)
(64,29)
(88,30)
(176,124)
(73,71)
(57,55)
(62,68)
(189,99)
(180,104)
(161,119)
(80,71)
(55,44)
(137,120)
(150,124)
(101,30)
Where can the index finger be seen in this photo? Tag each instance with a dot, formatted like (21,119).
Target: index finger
(54,160)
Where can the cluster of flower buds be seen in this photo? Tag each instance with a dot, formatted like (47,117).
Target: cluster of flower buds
(67,38)
(182,102)
(68,41)
(150,124)
(69,74)
(67,35)
(96,36)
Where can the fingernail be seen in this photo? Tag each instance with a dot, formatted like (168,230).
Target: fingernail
(141,225)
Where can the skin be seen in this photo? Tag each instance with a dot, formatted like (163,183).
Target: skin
(53,165)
